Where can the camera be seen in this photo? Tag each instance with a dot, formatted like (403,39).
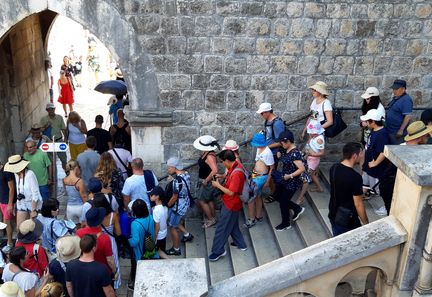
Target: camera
(20,196)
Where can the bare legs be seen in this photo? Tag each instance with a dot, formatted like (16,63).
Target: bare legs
(208,208)
(21,217)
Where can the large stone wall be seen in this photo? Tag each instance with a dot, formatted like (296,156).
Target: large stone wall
(216,61)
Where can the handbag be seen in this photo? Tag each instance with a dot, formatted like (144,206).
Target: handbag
(338,123)
(343,215)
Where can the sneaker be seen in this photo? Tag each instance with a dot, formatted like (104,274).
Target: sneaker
(250,223)
(214,257)
(173,252)
(190,237)
(282,227)
(259,219)
(297,215)
(381,211)
(7,248)
(234,245)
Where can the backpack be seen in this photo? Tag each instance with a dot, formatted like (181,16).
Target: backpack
(169,190)
(149,247)
(273,136)
(248,186)
(149,180)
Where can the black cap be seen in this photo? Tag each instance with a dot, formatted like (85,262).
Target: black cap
(286,135)
(398,83)
(99,119)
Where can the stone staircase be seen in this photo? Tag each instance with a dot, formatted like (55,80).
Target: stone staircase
(265,244)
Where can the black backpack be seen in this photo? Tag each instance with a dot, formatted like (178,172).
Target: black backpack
(266,124)
(169,190)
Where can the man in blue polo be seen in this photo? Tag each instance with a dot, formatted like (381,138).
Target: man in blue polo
(399,112)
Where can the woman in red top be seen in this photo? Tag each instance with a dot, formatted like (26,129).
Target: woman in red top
(66,93)
(28,237)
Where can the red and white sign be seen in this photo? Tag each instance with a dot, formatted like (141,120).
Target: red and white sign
(50,147)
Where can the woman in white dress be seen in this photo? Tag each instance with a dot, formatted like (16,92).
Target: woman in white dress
(29,199)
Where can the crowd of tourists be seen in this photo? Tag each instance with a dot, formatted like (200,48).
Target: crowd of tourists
(116,209)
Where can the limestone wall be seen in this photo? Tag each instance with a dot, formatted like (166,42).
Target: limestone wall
(23,84)
(216,61)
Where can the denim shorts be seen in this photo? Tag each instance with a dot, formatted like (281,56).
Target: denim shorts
(174,218)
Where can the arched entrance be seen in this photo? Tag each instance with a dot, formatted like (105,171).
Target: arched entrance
(23,88)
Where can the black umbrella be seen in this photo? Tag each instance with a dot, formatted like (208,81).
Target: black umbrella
(115,87)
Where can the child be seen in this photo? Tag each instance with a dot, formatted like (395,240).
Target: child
(160,217)
(314,152)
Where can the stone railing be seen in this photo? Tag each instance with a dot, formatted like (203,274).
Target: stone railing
(318,269)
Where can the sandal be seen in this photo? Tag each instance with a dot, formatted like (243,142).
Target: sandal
(269,199)
(209,223)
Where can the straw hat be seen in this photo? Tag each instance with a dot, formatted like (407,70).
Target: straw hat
(320,87)
(118,73)
(15,164)
(68,248)
(416,130)
(230,145)
(11,289)
(35,127)
(206,143)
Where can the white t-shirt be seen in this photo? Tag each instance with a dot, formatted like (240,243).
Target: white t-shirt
(381,110)
(25,280)
(160,215)
(266,156)
(318,108)
(135,188)
(125,156)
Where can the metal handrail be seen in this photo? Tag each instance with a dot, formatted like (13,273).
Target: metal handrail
(245,143)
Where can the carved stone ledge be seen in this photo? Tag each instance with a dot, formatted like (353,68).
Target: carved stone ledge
(146,118)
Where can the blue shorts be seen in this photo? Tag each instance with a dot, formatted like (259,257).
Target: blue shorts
(259,184)
(174,218)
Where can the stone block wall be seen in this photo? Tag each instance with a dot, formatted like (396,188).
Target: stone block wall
(216,61)
(23,84)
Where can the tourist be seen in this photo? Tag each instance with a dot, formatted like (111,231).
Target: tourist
(77,71)
(37,136)
(398,112)
(228,224)
(66,92)
(53,289)
(53,228)
(104,253)
(160,217)
(292,168)
(123,159)
(116,104)
(28,282)
(371,100)
(111,177)
(29,199)
(321,108)
(426,118)
(135,188)
(41,166)
(96,281)
(261,176)
(314,149)
(11,289)
(375,163)
(53,126)
(29,235)
(207,169)
(346,208)
(179,201)
(75,134)
(273,127)
(142,224)
(76,192)
(67,249)
(7,203)
(232,145)
(121,132)
(103,137)
(418,133)
(67,67)
(88,160)
(48,68)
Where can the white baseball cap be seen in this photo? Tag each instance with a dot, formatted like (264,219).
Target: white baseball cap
(264,107)
(370,92)
(372,114)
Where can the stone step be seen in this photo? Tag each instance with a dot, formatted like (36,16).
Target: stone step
(223,268)
(263,240)
(319,203)
(310,226)
(289,241)
(243,260)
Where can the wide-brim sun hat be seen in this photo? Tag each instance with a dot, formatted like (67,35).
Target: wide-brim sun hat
(417,129)
(30,231)
(230,145)
(258,140)
(370,92)
(11,289)
(320,87)
(68,248)
(15,164)
(206,143)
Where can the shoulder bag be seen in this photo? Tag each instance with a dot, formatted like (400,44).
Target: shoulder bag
(338,123)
